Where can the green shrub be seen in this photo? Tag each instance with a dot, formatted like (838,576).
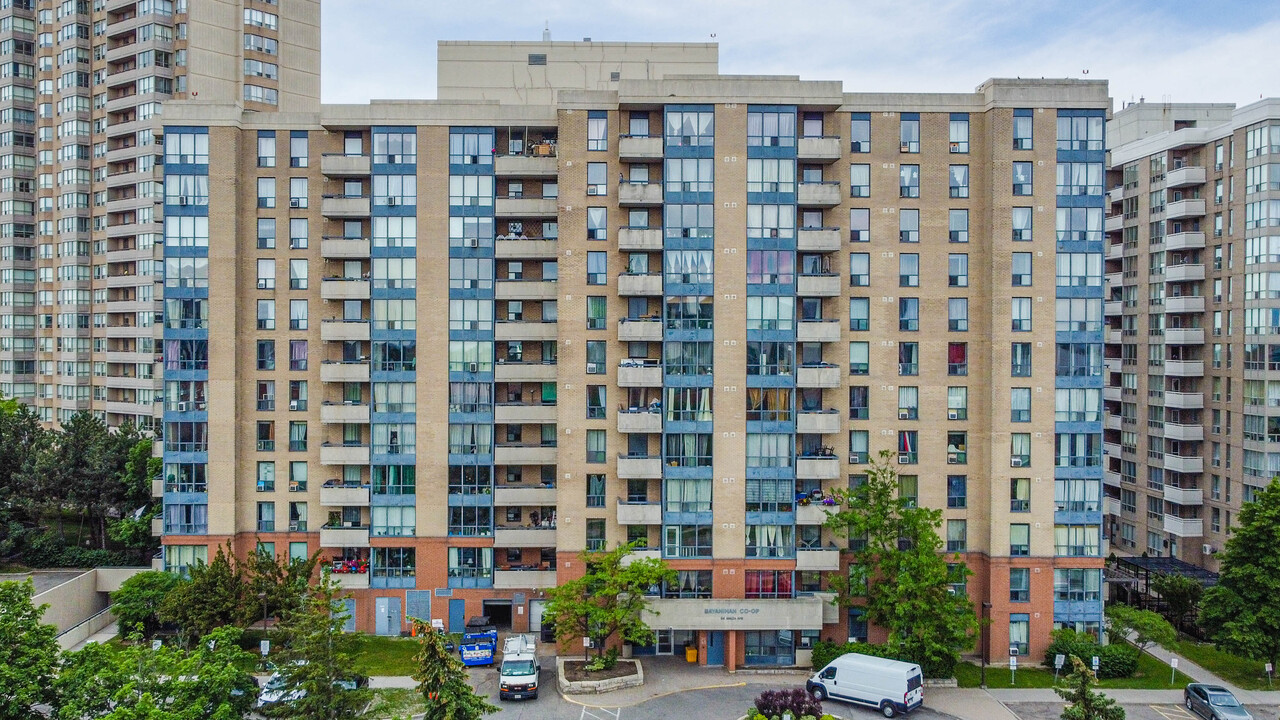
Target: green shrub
(1118,660)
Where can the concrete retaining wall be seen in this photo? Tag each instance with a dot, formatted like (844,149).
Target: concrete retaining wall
(596,687)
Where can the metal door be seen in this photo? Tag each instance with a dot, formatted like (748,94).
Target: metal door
(715,648)
(536,608)
(387,616)
(457,615)
(349,607)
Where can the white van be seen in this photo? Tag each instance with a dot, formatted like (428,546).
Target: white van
(889,686)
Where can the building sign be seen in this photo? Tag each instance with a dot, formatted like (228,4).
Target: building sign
(734,614)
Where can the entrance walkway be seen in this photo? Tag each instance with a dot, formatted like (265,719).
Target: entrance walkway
(667,674)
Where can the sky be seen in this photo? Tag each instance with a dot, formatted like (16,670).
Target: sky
(1160,50)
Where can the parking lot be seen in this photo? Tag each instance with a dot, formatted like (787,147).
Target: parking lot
(1133,711)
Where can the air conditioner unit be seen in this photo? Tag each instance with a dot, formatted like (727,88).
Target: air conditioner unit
(593,367)
(1207,549)
(293,527)
(392,159)
(471,242)
(904,458)
(904,147)
(183,406)
(594,190)
(953,414)
(391,202)
(1015,462)
(262,283)
(182,200)
(295,202)
(904,414)
(515,228)
(473,367)
(953,458)
(293,404)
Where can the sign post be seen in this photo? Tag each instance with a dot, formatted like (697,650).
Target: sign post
(1173,669)
(1270,669)
(1058,661)
(1096,664)
(1013,664)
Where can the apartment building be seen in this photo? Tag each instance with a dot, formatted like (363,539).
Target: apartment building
(598,293)
(81,183)
(1191,372)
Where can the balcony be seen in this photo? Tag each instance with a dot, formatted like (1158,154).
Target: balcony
(342,537)
(641,555)
(524,331)
(825,285)
(1184,303)
(1184,368)
(1184,527)
(1183,433)
(813,513)
(639,148)
(1115,251)
(818,239)
(514,249)
(641,421)
(1184,241)
(351,581)
(640,375)
(344,289)
(1189,272)
(524,166)
(344,248)
(1184,336)
(1111,477)
(525,207)
(1184,400)
(1112,308)
(1184,209)
(640,330)
(508,496)
(1184,176)
(817,468)
(157,526)
(645,513)
(521,579)
(1115,194)
(336,493)
(344,413)
(1110,505)
(524,537)
(820,376)
(1111,394)
(1113,223)
(1186,464)
(525,290)
(633,467)
(818,331)
(524,372)
(344,206)
(157,488)
(520,413)
(344,372)
(639,239)
(819,149)
(342,330)
(639,194)
(344,454)
(819,194)
(640,284)
(823,422)
(1183,496)
(524,455)
(344,165)
(1114,280)
(822,559)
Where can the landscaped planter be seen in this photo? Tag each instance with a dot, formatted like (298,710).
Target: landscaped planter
(596,687)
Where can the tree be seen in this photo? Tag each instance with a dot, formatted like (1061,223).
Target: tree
(1242,612)
(899,574)
(20,435)
(283,582)
(137,681)
(213,595)
(1085,704)
(138,601)
(28,652)
(608,599)
(1181,594)
(1141,627)
(315,656)
(443,681)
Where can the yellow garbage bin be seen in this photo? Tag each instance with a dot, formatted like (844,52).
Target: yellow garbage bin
(691,653)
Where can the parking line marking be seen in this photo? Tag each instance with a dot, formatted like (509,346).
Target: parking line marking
(1179,713)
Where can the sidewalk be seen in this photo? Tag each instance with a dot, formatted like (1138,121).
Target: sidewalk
(1199,674)
(101,636)
(669,675)
(967,704)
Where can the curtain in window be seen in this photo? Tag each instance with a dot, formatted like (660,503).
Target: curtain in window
(298,354)
(908,397)
(959,176)
(297,433)
(958,310)
(471,439)
(908,353)
(769,449)
(1020,445)
(1020,400)
(858,441)
(907,441)
(957,398)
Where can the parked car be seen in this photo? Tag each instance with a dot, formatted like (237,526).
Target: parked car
(276,689)
(1214,702)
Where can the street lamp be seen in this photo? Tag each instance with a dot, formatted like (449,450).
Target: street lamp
(263,597)
(986,620)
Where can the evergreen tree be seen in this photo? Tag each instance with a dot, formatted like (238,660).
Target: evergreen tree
(443,682)
(1085,704)
(28,652)
(316,657)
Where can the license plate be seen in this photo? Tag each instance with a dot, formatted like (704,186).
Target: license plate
(517,696)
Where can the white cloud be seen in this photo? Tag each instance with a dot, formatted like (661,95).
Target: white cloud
(870,45)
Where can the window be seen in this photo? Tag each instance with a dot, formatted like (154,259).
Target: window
(1020,309)
(1081,178)
(908,270)
(689,584)
(266,149)
(771,129)
(909,133)
(860,132)
(266,355)
(266,233)
(771,541)
(958,180)
(595,312)
(297,436)
(266,192)
(1077,584)
(958,226)
(908,402)
(860,181)
(770,175)
(1020,539)
(297,274)
(762,584)
(1077,540)
(859,402)
(956,489)
(298,192)
(770,313)
(908,226)
(1022,139)
(266,436)
(597,129)
(298,315)
(1022,178)
(957,359)
(908,447)
(468,567)
(1020,585)
(687,541)
(1020,360)
(595,357)
(1022,224)
(597,223)
(859,358)
(957,403)
(266,476)
(1020,450)
(595,490)
(266,314)
(1021,269)
(266,517)
(597,178)
(1020,405)
(859,269)
(909,181)
(690,128)
(1079,132)
(909,314)
(597,269)
(297,148)
(297,395)
(1020,495)
(908,358)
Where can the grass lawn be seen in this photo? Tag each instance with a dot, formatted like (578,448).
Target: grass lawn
(1247,674)
(1151,675)
(376,655)
(395,704)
